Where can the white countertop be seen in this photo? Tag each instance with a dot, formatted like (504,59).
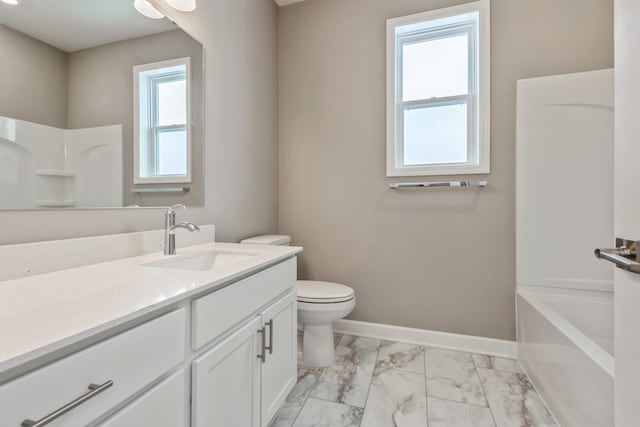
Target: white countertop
(47,312)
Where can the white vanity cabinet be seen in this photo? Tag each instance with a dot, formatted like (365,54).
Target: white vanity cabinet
(163,406)
(226,382)
(244,379)
(119,367)
(279,370)
(226,358)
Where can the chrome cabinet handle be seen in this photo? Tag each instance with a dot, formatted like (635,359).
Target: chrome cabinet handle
(270,325)
(95,390)
(624,256)
(263,353)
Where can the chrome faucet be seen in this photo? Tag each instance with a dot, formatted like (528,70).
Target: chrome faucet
(170,226)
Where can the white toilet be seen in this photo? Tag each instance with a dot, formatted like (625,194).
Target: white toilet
(319,304)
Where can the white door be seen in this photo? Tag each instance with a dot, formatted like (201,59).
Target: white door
(627,209)
(226,382)
(280,363)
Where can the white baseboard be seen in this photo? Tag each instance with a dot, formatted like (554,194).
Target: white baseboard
(468,343)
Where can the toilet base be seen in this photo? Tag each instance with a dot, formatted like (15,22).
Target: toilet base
(318,349)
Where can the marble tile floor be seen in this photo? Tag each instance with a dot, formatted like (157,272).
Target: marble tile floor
(389,384)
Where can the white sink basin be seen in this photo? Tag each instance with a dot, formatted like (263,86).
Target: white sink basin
(201,261)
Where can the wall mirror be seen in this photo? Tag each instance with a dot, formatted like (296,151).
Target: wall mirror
(100,107)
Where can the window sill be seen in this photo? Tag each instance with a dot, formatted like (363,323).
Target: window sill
(437,170)
(163,180)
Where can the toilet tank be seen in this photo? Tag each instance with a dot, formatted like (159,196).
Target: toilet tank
(269,239)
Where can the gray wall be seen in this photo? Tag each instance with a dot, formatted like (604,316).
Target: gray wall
(440,259)
(33,83)
(240,143)
(101,94)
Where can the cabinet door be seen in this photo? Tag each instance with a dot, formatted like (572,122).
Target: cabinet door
(226,381)
(280,365)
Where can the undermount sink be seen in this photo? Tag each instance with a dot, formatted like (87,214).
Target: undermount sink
(201,261)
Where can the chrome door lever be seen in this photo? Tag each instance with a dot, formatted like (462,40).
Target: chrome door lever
(625,255)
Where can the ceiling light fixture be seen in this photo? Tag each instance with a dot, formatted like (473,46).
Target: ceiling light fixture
(146,8)
(11,2)
(182,5)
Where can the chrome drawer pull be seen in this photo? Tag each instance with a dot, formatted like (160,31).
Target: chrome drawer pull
(94,391)
(270,325)
(263,353)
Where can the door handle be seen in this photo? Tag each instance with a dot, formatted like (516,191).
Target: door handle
(270,325)
(263,352)
(625,255)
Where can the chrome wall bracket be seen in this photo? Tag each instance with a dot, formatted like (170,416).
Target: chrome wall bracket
(625,255)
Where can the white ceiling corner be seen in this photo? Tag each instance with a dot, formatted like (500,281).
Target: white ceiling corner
(72,25)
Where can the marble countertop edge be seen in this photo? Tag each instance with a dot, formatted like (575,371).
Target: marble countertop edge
(92,313)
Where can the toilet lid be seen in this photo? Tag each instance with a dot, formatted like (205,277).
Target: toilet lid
(322,292)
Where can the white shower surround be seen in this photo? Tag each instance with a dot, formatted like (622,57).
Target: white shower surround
(563,337)
(564,210)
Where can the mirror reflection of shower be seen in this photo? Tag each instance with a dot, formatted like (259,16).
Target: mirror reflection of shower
(47,167)
(70,136)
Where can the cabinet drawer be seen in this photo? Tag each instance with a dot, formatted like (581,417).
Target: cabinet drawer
(221,310)
(163,406)
(130,360)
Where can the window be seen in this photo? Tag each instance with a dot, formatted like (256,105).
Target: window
(438,92)
(162,134)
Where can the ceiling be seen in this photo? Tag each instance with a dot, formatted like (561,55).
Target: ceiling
(72,25)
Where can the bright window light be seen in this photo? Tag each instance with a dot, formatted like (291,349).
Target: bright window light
(162,122)
(438,92)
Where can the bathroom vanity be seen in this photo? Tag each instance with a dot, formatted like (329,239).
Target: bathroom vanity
(205,338)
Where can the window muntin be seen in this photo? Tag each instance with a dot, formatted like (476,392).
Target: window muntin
(162,130)
(438,92)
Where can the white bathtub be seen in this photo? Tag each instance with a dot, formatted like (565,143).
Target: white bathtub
(565,344)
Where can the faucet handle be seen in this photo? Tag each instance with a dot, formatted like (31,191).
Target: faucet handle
(173,208)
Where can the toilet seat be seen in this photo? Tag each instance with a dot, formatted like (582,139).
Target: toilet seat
(313,292)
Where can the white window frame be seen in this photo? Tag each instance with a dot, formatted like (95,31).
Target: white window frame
(429,26)
(145,137)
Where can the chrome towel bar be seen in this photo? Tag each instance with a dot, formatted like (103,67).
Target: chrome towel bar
(162,190)
(397,185)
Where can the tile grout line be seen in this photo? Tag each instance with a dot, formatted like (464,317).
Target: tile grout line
(331,401)
(544,402)
(336,403)
(426,387)
(366,400)
(306,399)
(335,346)
(378,359)
(311,388)
(484,392)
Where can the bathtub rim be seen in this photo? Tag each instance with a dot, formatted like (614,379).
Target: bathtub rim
(535,295)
